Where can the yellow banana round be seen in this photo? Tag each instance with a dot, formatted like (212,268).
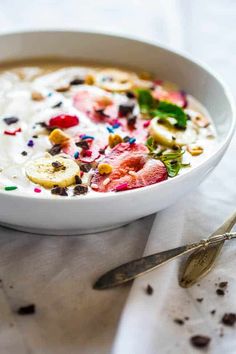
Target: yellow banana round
(167,135)
(115,80)
(51,171)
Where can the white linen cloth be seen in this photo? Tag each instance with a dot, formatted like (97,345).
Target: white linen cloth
(57,273)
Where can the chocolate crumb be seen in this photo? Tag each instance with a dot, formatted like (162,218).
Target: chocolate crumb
(125,109)
(200,341)
(24,153)
(62,191)
(58,165)
(55,149)
(130,94)
(26,310)
(57,105)
(10,120)
(223,284)
(179,321)
(80,189)
(85,167)
(186,318)
(220,292)
(126,139)
(83,144)
(77,82)
(200,299)
(78,180)
(131,120)
(229,319)
(149,290)
(102,151)
(213,312)
(35,136)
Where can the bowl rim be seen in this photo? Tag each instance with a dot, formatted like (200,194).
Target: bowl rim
(93,196)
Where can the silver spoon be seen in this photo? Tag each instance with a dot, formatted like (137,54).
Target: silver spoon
(135,268)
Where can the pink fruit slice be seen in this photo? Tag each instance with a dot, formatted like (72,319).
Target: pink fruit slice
(132,168)
(98,107)
(175,97)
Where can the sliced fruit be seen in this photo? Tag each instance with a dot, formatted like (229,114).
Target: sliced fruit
(166,134)
(51,171)
(99,107)
(177,97)
(115,80)
(131,168)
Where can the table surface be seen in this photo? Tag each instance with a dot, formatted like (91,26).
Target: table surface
(206,30)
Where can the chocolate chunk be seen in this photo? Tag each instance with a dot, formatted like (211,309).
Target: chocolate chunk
(220,292)
(58,165)
(149,290)
(102,151)
(200,341)
(223,284)
(229,319)
(55,149)
(130,94)
(179,321)
(131,120)
(126,139)
(11,120)
(26,310)
(85,167)
(101,112)
(57,105)
(62,191)
(200,299)
(24,153)
(80,189)
(126,108)
(77,81)
(78,180)
(83,144)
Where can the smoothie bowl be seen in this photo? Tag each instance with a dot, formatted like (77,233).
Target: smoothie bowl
(95,132)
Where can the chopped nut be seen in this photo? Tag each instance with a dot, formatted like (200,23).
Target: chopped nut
(106,181)
(89,79)
(114,139)
(195,150)
(104,168)
(57,136)
(37,96)
(201,121)
(63,88)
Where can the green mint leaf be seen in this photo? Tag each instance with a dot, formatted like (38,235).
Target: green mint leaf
(145,100)
(166,109)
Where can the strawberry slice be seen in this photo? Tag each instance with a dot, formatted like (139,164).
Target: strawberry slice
(175,97)
(99,108)
(132,168)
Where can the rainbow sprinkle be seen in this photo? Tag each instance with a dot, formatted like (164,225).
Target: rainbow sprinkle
(121,187)
(132,140)
(30,143)
(10,188)
(84,137)
(76,155)
(37,190)
(110,130)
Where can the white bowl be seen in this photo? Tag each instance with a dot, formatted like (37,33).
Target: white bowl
(104,211)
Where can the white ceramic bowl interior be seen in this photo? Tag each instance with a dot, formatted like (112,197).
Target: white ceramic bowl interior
(95,213)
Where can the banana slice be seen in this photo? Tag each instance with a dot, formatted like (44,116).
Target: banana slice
(51,171)
(167,135)
(115,80)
